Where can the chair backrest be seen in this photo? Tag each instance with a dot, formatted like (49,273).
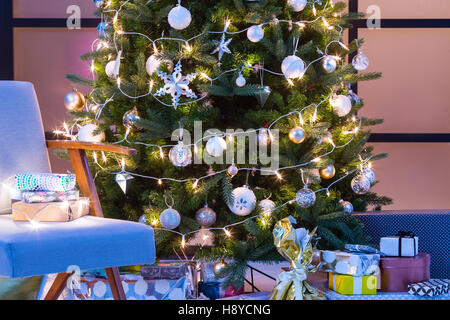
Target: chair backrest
(22,139)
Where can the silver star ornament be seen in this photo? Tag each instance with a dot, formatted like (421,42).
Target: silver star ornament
(222,46)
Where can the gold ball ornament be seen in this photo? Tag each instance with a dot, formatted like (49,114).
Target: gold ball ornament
(74,100)
(218,267)
(328,172)
(297,135)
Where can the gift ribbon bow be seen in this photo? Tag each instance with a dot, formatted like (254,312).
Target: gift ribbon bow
(295,275)
(405,234)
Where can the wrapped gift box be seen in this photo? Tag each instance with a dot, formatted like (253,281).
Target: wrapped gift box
(400,246)
(214,290)
(431,226)
(349,263)
(50,212)
(398,272)
(431,288)
(50,196)
(135,287)
(164,270)
(349,285)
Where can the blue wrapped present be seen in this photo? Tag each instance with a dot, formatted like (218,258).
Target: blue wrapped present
(430,226)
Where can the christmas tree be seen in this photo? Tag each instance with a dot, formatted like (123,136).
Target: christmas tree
(271,77)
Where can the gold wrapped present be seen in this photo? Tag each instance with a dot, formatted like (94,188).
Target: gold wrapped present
(295,246)
(50,212)
(349,285)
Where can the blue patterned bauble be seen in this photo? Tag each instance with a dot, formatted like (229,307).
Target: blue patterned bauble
(360,184)
(348,207)
(102,28)
(244,201)
(305,197)
(170,218)
(180,155)
(98,3)
(369,174)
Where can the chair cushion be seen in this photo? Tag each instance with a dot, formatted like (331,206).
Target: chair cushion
(22,141)
(89,242)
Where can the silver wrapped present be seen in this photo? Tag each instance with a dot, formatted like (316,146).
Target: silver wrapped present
(349,263)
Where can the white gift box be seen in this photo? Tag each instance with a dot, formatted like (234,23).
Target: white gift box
(399,246)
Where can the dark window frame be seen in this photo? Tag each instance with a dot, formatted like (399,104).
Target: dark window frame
(8,23)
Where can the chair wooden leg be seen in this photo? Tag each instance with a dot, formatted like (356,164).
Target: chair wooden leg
(58,286)
(115,283)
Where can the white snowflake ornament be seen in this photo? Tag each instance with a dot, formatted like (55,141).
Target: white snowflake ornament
(176,85)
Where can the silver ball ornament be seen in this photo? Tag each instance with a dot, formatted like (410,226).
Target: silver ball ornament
(130,117)
(179,17)
(297,5)
(216,146)
(348,207)
(232,170)
(328,172)
(109,68)
(263,137)
(305,197)
(86,134)
(255,33)
(244,201)
(360,184)
(218,267)
(143,219)
(205,216)
(266,206)
(180,155)
(329,64)
(297,135)
(170,218)
(360,62)
(293,67)
(240,81)
(341,105)
(369,174)
(74,100)
(153,63)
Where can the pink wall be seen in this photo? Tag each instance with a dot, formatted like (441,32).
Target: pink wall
(412,96)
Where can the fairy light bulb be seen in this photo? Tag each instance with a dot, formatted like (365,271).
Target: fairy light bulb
(159,181)
(314,10)
(227,233)
(195,184)
(115,17)
(183,241)
(120,32)
(161,153)
(343,45)
(104,157)
(118,81)
(314,117)
(154,222)
(155,48)
(123,164)
(300,119)
(316,159)
(95,156)
(227,23)
(92,67)
(278,175)
(188,47)
(290,82)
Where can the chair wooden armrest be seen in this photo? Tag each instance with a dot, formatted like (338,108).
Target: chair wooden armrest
(80,164)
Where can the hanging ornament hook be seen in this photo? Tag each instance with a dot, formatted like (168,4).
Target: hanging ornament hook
(168,195)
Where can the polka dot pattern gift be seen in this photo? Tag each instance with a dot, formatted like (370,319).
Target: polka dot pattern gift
(354,264)
(44,182)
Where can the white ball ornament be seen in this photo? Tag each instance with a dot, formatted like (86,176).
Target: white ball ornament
(360,184)
(180,155)
(329,64)
(341,105)
(153,63)
(266,206)
(305,197)
(170,218)
(109,68)
(360,62)
(86,134)
(240,81)
(244,201)
(216,146)
(297,5)
(293,67)
(255,33)
(179,17)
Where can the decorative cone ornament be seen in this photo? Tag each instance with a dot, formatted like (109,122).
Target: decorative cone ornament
(124,179)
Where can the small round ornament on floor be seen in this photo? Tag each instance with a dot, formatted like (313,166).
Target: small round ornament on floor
(170,218)
(369,174)
(74,100)
(218,267)
(232,170)
(266,206)
(329,64)
(297,135)
(297,5)
(348,207)
(153,63)
(255,33)
(328,172)
(86,134)
(305,197)
(293,67)
(179,17)
(341,104)
(205,216)
(360,62)
(240,81)
(244,201)
(180,155)
(216,146)
(130,117)
(360,184)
